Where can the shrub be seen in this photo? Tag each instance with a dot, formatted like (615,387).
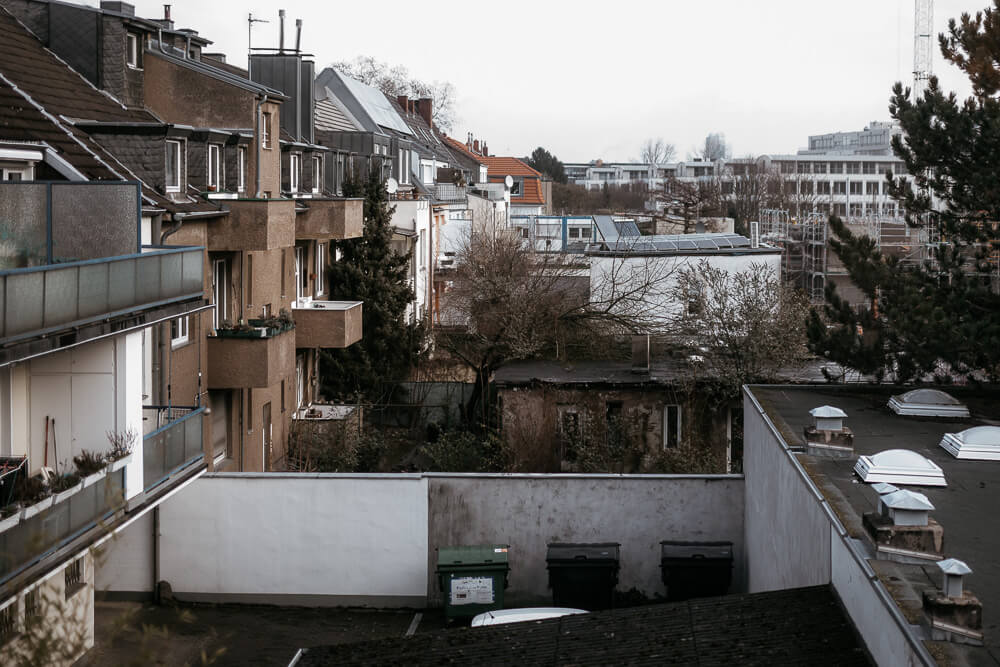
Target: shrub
(87,463)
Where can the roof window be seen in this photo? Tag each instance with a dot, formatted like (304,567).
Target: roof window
(928,403)
(979,443)
(899,466)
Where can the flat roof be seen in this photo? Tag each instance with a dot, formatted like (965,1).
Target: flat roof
(966,507)
(796,626)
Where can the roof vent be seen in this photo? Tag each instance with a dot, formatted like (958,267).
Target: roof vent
(979,443)
(901,528)
(828,436)
(899,466)
(953,613)
(928,403)
(883,489)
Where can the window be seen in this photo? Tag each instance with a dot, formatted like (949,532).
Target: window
(214,167)
(301,274)
(317,175)
(823,188)
(868,168)
(265,130)
(74,577)
(24,174)
(524,232)
(819,167)
(8,623)
(178,331)
(856,188)
(241,169)
(321,252)
(671,426)
(871,188)
(132,50)
(853,168)
(421,250)
(294,167)
(517,187)
(32,605)
(840,187)
(173,174)
(404,165)
(574,232)
(836,167)
(219,281)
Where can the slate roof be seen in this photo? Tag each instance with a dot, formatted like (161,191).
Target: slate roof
(330,116)
(804,626)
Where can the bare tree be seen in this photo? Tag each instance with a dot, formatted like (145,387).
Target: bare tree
(506,302)
(746,186)
(657,151)
(396,80)
(693,199)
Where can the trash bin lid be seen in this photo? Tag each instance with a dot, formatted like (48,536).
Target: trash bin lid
(598,552)
(708,550)
(478,554)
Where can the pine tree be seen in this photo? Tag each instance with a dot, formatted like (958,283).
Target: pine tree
(941,318)
(369,270)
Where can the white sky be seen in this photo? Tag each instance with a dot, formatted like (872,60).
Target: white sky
(592,80)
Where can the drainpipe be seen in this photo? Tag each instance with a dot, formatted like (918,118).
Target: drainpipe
(159,40)
(187,46)
(156,554)
(174,228)
(257,140)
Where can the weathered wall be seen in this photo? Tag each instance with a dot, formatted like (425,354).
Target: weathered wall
(529,511)
(183,96)
(371,539)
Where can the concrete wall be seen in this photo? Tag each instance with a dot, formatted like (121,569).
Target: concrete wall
(372,539)
(529,511)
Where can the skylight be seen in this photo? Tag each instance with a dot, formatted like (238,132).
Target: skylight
(928,403)
(899,466)
(980,443)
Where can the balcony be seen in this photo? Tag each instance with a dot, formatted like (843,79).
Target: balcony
(329,324)
(255,357)
(173,447)
(254,224)
(323,219)
(62,519)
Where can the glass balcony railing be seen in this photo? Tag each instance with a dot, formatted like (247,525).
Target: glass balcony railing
(172,447)
(61,522)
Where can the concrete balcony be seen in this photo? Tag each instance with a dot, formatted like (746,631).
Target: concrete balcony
(173,447)
(254,224)
(329,324)
(236,360)
(323,219)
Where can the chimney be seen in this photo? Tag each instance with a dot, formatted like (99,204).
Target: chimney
(828,436)
(404,102)
(120,7)
(468,141)
(486,151)
(901,528)
(640,353)
(953,613)
(298,35)
(475,146)
(281,31)
(425,107)
(166,13)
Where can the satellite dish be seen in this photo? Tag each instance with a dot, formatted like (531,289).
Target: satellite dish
(508,182)
(391,186)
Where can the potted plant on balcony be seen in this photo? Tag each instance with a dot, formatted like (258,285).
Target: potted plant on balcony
(34,495)
(64,486)
(241,330)
(90,466)
(10,516)
(122,445)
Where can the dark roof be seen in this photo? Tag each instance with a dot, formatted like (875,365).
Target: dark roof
(965,508)
(213,69)
(791,627)
(588,372)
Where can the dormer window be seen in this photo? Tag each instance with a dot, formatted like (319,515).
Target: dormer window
(214,167)
(517,187)
(132,50)
(173,167)
(295,167)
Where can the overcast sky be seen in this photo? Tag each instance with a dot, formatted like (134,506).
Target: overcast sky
(592,80)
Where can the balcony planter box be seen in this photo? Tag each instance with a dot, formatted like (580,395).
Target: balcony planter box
(40,506)
(90,480)
(11,521)
(120,463)
(270,331)
(63,495)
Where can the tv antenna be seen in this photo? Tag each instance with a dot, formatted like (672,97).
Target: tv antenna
(250,21)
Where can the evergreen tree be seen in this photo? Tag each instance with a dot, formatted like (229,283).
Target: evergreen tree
(941,318)
(369,270)
(547,163)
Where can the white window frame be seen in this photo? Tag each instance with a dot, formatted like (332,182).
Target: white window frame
(321,255)
(301,276)
(294,172)
(265,130)
(174,150)
(317,174)
(179,332)
(241,168)
(215,167)
(666,426)
(26,173)
(132,50)
(219,296)
(421,250)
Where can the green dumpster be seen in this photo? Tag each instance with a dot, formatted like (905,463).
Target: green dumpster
(472,578)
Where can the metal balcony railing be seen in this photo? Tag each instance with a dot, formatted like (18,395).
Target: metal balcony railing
(171,448)
(42,533)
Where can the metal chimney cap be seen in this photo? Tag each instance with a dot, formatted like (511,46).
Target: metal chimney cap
(954,567)
(828,412)
(884,488)
(907,500)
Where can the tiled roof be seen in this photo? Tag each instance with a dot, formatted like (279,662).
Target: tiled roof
(805,626)
(458,146)
(509,165)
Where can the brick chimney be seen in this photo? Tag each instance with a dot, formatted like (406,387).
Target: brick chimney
(486,151)
(425,107)
(475,146)
(404,102)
